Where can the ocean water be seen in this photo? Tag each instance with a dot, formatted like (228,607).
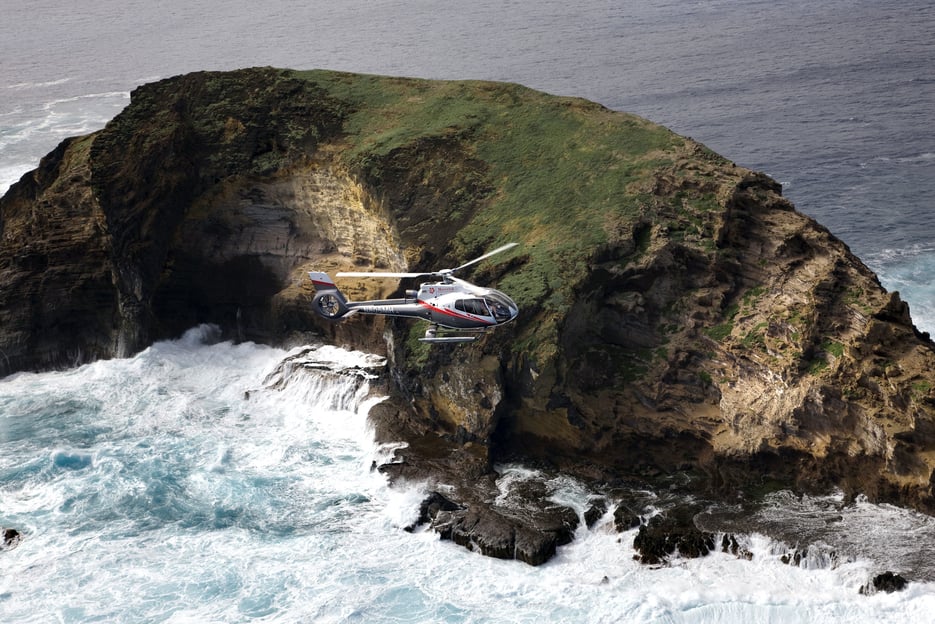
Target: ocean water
(206,482)
(187,485)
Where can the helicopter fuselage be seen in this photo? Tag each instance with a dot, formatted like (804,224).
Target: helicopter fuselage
(457,311)
(446,305)
(452,303)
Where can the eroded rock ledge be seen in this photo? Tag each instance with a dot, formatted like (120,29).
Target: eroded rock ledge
(678,315)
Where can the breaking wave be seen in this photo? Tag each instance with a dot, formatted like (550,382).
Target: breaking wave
(208,481)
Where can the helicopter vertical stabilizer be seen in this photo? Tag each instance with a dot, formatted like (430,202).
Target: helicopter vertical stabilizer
(322,281)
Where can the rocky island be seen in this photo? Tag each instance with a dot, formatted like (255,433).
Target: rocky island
(678,315)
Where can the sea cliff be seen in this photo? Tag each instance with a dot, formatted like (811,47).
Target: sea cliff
(678,315)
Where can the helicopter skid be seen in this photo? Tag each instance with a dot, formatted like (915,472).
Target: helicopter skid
(436,334)
(449,339)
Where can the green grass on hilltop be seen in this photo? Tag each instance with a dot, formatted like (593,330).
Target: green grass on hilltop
(562,169)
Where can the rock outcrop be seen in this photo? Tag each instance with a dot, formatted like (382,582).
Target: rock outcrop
(11,539)
(677,313)
(888,582)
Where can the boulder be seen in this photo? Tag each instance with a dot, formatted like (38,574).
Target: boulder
(11,539)
(671,534)
(888,582)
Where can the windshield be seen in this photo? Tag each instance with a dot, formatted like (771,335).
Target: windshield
(501,306)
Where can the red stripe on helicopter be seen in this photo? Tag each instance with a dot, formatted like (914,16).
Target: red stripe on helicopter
(468,317)
(318,283)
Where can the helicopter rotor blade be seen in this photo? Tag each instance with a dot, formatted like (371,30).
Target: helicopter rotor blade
(444,273)
(388,275)
(484,257)
(468,286)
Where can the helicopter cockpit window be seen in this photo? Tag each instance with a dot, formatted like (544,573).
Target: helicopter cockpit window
(472,306)
(501,306)
(500,311)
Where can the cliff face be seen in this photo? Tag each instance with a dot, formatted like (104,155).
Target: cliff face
(57,305)
(677,314)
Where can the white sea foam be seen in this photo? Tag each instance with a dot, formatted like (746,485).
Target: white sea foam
(20,86)
(908,270)
(28,133)
(182,487)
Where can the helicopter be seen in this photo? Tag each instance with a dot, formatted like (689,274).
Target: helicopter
(457,311)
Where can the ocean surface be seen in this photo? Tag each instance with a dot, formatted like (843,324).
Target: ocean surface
(201,482)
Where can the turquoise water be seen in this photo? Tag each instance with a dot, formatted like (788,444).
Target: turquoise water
(201,482)
(182,482)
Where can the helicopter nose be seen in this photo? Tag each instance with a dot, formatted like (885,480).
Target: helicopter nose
(505,314)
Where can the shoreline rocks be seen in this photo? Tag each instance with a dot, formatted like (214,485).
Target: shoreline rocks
(888,582)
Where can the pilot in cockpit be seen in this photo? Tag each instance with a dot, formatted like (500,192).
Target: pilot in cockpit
(500,311)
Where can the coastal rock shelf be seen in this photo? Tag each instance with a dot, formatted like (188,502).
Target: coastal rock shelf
(678,315)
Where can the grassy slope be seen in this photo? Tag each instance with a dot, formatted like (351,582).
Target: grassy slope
(562,169)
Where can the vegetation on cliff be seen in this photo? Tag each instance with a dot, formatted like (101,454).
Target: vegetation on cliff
(563,175)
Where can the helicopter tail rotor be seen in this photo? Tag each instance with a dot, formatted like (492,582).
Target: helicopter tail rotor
(329,301)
